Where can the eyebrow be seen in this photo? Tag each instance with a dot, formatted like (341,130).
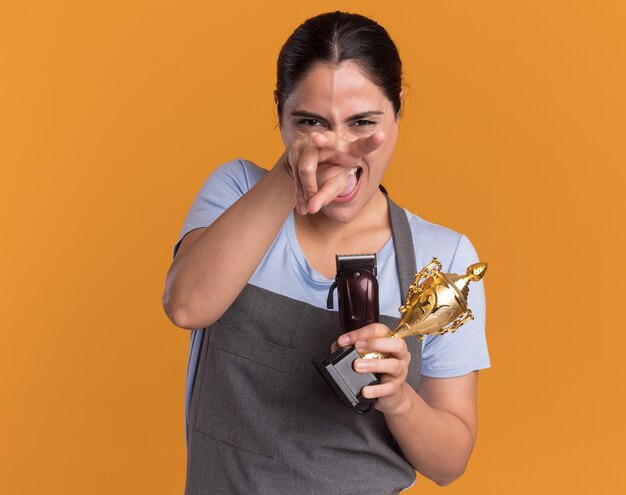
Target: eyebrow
(356,116)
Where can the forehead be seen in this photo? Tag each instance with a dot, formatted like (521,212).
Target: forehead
(336,90)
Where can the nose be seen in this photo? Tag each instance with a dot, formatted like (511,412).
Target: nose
(345,136)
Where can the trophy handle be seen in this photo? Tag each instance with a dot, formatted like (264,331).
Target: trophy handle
(456,324)
(432,267)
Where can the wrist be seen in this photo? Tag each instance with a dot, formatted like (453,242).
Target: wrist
(285,166)
(281,183)
(403,405)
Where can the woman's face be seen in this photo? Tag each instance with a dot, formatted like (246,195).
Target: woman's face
(342,99)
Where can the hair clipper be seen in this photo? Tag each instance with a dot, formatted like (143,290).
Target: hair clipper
(357,293)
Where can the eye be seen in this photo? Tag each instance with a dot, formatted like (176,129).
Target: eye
(363,122)
(310,123)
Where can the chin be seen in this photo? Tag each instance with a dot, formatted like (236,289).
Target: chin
(343,213)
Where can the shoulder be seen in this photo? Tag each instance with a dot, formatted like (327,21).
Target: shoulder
(428,231)
(450,247)
(224,186)
(238,174)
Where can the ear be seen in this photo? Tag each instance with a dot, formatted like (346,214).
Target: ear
(401,96)
(278,109)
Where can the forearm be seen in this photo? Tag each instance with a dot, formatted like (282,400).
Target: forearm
(437,443)
(203,281)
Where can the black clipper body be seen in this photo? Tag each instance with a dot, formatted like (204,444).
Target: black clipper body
(357,290)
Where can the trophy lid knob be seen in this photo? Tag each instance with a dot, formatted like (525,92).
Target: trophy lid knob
(473,274)
(476,271)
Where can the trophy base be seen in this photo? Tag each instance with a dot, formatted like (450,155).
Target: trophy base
(346,383)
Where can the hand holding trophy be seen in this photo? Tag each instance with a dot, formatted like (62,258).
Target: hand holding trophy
(436,303)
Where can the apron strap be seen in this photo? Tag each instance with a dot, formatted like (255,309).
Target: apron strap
(403,244)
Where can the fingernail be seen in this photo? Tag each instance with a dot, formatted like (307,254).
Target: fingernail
(343,340)
(360,345)
(360,365)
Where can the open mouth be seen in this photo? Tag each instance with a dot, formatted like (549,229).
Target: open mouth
(351,187)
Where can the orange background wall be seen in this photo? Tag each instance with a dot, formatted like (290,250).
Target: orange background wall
(113,113)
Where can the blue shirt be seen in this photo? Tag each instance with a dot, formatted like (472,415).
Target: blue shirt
(284,270)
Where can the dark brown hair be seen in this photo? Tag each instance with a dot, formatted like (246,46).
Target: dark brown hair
(335,37)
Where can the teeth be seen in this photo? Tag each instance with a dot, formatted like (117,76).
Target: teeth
(353,171)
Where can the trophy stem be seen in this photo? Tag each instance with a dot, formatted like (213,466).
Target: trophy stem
(402,331)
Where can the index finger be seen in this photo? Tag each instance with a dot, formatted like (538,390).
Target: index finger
(309,161)
(371,331)
(306,169)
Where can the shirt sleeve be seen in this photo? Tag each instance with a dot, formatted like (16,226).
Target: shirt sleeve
(224,187)
(456,354)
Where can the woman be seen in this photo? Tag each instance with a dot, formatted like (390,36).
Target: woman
(255,263)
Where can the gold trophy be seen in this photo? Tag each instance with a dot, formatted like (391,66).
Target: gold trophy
(435,304)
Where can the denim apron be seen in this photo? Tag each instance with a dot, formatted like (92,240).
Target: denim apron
(263,420)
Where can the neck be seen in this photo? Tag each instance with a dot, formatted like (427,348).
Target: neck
(321,238)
